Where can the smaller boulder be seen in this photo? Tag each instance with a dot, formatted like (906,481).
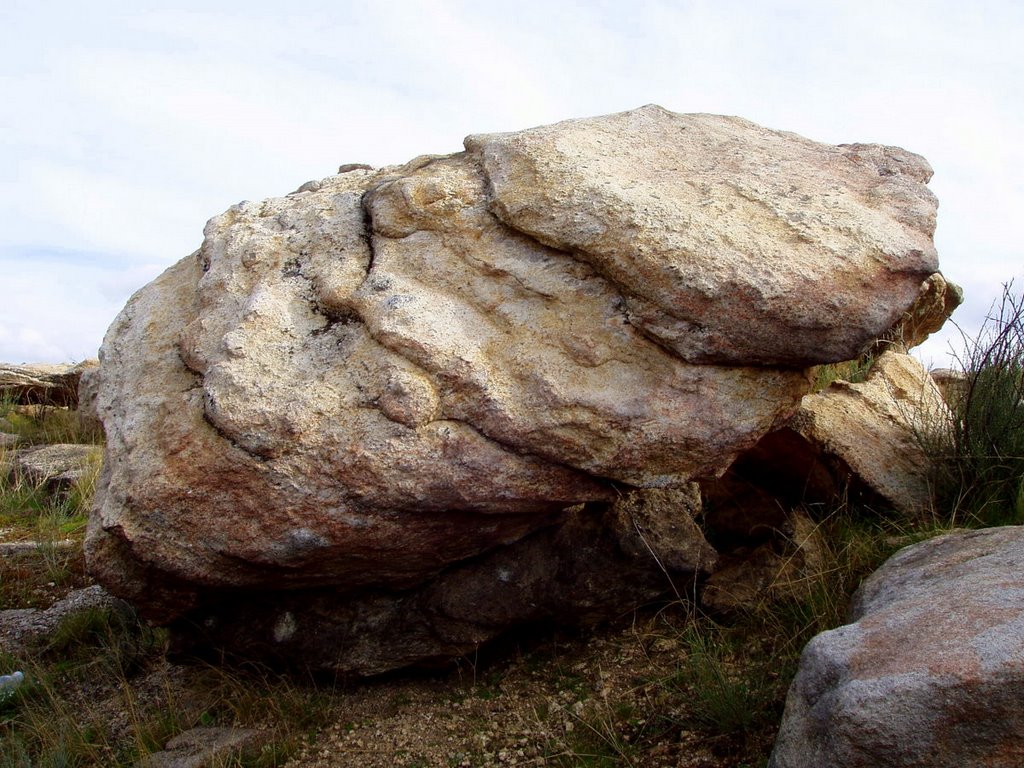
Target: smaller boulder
(929,672)
(22,628)
(58,467)
(88,411)
(952,384)
(872,435)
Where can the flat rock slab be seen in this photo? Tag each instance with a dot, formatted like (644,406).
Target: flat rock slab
(730,242)
(875,431)
(204,748)
(55,385)
(58,466)
(931,670)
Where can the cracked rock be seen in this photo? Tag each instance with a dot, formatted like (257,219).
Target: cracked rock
(364,387)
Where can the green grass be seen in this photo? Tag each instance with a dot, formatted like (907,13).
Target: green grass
(44,424)
(88,670)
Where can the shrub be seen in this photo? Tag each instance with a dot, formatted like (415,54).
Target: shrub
(979,458)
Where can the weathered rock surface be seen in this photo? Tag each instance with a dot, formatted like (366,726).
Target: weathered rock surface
(57,467)
(729,242)
(931,670)
(21,628)
(398,373)
(88,391)
(874,432)
(953,385)
(205,748)
(55,385)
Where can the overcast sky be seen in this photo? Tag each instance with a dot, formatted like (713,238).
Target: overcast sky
(125,126)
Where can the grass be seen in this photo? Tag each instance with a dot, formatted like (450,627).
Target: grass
(45,425)
(99,691)
(728,684)
(979,454)
(852,371)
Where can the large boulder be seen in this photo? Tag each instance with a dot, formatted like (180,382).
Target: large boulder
(393,375)
(929,672)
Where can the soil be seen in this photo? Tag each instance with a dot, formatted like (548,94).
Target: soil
(603,698)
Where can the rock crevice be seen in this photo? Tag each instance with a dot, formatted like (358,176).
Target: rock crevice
(402,370)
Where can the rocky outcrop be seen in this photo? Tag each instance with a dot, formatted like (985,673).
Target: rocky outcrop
(930,670)
(25,628)
(390,377)
(55,385)
(953,385)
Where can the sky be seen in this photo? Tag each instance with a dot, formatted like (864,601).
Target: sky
(125,126)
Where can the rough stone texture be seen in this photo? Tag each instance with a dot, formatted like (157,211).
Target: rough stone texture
(55,385)
(593,563)
(872,433)
(388,374)
(88,391)
(730,243)
(787,567)
(930,672)
(205,748)
(24,627)
(936,301)
(952,384)
(58,467)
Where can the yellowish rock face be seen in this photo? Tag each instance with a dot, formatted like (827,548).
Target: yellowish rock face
(391,371)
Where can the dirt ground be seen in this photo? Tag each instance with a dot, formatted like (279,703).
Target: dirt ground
(601,698)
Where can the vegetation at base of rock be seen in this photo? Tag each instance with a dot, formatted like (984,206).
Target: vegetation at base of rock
(47,424)
(979,457)
(853,371)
